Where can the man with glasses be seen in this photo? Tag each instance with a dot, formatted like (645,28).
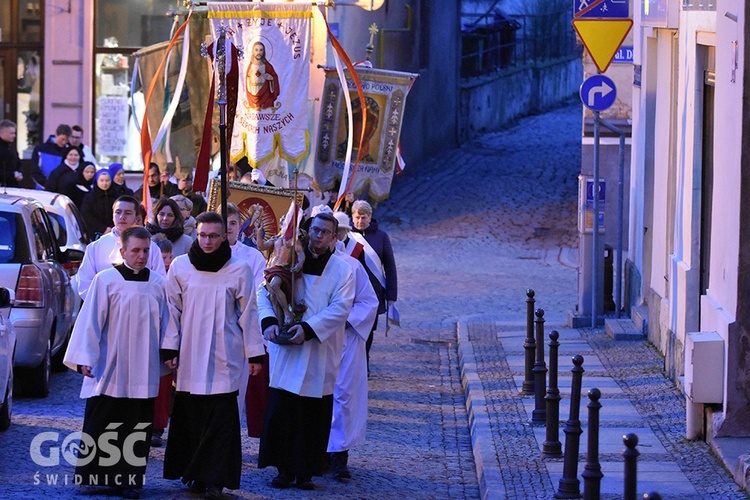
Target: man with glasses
(303,371)
(213,332)
(75,140)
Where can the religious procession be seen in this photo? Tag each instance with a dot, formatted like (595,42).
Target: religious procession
(243,279)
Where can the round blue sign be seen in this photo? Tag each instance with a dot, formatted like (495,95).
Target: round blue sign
(598,92)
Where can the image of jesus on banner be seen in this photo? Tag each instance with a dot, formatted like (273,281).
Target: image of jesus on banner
(261,80)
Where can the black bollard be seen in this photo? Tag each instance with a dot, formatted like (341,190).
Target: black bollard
(651,496)
(570,486)
(539,415)
(631,466)
(552,446)
(592,472)
(529,345)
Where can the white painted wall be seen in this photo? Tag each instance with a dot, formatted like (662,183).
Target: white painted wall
(64,85)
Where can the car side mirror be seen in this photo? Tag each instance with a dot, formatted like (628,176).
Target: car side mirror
(7,297)
(72,255)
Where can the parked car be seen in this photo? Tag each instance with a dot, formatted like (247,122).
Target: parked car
(7,348)
(69,227)
(31,265)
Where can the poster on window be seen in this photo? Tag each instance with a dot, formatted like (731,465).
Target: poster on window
(112,126)
(385,97)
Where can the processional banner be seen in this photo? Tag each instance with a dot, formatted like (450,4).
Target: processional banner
(185,125)
(385,97)
(273,47)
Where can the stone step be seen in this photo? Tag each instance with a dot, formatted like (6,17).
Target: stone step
(622,329)
(639,315)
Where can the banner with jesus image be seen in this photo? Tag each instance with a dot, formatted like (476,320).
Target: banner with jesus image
(273,43)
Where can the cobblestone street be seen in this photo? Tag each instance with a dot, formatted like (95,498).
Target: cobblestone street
(472,229)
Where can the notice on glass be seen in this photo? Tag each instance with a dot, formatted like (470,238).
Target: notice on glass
(112,126)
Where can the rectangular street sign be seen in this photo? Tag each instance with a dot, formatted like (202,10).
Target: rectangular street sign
(623,55)
(601,9)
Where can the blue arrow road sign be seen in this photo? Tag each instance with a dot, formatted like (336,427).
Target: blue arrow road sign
(598,92)
(603,9)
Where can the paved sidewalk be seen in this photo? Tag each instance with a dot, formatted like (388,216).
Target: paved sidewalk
(636,398)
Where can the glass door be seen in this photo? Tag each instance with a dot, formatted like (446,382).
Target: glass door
(21,47)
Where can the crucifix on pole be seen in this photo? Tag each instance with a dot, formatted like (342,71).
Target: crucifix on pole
(221,62)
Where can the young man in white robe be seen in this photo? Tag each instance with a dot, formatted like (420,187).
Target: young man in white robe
(104,252)
(303,372)
(213,331)
(258,264)
(350,393)
(115,345)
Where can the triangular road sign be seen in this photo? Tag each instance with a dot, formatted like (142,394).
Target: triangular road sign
(602,38)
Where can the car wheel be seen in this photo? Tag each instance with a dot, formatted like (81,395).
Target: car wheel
(38,378)
(7,409)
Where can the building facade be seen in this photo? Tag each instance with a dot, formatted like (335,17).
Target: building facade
(689,255)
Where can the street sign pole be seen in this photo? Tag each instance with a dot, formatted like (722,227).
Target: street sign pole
(596,255)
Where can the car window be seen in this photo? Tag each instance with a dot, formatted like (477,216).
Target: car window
(14,247)
(42,238)
(58,226)
(80,231)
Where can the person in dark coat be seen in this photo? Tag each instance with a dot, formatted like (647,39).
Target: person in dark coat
(158,185)
(48,155)
(379,263)
(117,174)
(68,179)
(97,205)
(185,185)
(10,168)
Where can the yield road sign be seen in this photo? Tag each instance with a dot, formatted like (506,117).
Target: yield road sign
(598,92)
(602,38)
(601,8)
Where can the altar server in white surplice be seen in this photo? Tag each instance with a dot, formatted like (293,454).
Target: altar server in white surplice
(115,345)
(257,263)
(104,252)
(303,374)
(350,394)
(213,331)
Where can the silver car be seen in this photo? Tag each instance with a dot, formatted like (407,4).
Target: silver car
(69,227)
(31,265)
(7,348)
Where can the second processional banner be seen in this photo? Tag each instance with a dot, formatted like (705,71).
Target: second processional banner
(273,47)
(385,100)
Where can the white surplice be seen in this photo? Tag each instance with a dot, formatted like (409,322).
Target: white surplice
(350,394)
(118,333)
(213,322)
(310,369)
(258,264)
(253,257)
(103,253)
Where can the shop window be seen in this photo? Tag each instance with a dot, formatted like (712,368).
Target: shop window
(121,29)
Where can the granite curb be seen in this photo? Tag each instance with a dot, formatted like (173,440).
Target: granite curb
(490,480)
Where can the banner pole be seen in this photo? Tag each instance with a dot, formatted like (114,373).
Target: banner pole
(221,57)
